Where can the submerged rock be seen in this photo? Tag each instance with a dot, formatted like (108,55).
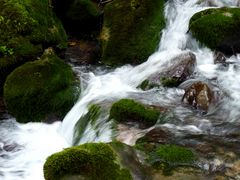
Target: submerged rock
(130,31)
(218,29)
(199,96)
(181,69)
(128,110)
(87,161)
(40,88)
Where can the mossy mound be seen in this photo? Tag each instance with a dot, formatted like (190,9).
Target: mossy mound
(79,17)
(129,110)
(90,161)
(131,30)
(37,89)
(218,29)
(26,28)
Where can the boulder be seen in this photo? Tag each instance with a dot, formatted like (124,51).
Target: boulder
(199,96)
(87,161)
(40,88)
(26,28)
(131,29)
(181,70)
(218,29)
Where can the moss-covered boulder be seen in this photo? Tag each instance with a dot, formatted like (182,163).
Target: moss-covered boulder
(26,28)
(127,110)
(88,161)
(218,29)
(131,30)
(80,17)
(40,88)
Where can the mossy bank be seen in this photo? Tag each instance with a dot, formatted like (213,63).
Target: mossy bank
(26,28)
(131,30)
(40,88)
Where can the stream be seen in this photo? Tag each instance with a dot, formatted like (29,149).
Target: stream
(25,147)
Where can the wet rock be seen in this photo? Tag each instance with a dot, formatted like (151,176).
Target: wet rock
(199,96)
(83,52)
(181,69)
(234,171)
(219,58)
(158,135)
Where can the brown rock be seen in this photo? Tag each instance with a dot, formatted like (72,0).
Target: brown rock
(199,96)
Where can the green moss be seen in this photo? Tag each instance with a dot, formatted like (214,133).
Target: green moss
(169,82)
(169,156)
(128,110)
(131,30)
(26,28)
(36,89)
(91,161)
(92,115)
(216,27)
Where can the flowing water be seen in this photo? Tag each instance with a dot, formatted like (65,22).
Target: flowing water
(24,147)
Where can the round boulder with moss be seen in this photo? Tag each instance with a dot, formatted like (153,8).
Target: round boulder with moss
(131,30)
(218,29)
(40,88)
(88,161)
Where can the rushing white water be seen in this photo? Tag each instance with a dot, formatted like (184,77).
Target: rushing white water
(24,147)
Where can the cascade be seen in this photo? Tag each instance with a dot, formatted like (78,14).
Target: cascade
(30,144)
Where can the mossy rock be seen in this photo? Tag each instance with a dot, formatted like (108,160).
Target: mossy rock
(169,156)
(26,28)
(131,30)
(218,29)
(126,110)
(80,18)
(40,88)
(88,161)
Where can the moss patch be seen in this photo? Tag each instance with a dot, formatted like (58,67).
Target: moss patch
(169,157)
(130,110)
(90,161)
(133,29)
(169,82)
(218,29)
(37,89)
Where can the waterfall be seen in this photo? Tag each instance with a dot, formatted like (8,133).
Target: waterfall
(31,143)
